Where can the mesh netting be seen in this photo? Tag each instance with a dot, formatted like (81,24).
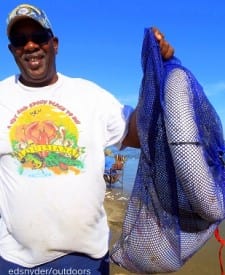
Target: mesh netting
(178,196)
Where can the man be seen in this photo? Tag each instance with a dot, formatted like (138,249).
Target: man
(53,133)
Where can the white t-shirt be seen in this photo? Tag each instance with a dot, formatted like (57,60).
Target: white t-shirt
(52,142)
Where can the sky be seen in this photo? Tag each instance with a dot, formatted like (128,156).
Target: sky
(101,40)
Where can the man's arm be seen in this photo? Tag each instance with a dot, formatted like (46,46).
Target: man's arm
(132,139)
(167,51)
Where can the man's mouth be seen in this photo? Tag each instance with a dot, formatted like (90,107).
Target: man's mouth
(34,61)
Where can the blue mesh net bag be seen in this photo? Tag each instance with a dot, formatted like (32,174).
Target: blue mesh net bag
(177,200)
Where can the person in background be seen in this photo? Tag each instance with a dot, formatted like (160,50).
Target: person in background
(109,159)
(110,172)
(53,132)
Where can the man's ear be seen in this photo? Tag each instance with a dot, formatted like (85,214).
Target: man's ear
(56,44)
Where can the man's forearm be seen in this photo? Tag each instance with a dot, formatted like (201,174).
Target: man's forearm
(132,139)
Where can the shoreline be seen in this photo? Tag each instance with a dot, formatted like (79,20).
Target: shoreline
(204,262)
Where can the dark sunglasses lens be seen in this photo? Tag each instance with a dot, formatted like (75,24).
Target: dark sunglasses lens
(18,41)
(40,38)
(37,38)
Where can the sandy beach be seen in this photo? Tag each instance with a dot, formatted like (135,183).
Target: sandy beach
(204,262)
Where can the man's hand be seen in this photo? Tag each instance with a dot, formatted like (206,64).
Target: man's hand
(167,51)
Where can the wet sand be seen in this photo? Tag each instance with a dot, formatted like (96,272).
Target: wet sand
(204,262)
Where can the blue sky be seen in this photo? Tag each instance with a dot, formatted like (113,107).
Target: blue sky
(101,40)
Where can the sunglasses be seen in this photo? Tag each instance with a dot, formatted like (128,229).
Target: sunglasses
(21,40)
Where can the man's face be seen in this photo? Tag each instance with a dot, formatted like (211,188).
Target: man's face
(34,50)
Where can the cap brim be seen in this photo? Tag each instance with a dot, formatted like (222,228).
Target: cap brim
(17,19)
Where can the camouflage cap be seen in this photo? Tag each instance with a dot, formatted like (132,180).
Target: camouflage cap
(27,11)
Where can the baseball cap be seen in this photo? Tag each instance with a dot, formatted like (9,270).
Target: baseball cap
(27,11)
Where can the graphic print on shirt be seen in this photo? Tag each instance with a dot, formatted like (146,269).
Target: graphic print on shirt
(44,138)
